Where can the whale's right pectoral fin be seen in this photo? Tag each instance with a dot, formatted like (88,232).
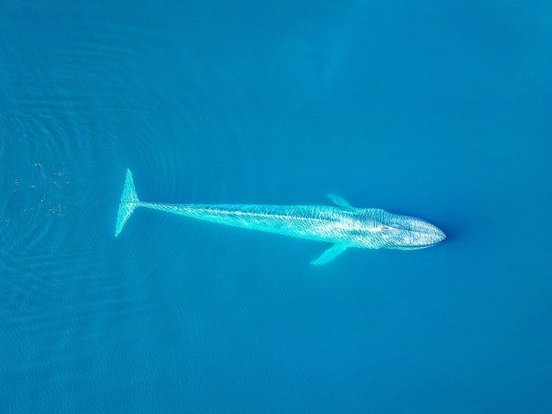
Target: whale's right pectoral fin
(330,254)
(340,201)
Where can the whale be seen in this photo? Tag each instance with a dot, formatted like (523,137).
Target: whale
(340,224)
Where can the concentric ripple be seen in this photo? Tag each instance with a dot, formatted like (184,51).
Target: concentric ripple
(68,108)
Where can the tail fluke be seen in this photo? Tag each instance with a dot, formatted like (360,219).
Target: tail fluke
(129,201)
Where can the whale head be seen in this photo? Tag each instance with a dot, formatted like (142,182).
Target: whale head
(406,233)
(395,231)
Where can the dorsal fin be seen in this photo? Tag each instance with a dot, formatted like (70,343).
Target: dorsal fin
(339,201)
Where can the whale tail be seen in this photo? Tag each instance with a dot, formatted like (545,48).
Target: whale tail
(129,202)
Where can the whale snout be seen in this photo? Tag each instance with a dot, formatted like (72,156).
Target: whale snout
(429,235)
(439,235)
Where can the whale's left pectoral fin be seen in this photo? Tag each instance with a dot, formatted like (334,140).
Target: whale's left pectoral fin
(340,201)
(330,254)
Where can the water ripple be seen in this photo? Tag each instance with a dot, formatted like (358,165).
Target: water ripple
(71,105)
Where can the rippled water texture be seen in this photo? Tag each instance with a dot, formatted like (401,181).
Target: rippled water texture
(436,111)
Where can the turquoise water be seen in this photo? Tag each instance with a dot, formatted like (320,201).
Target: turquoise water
(440,111)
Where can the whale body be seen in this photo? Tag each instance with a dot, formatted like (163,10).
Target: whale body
(341,225)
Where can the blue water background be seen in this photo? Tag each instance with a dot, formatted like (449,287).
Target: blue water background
(440,110)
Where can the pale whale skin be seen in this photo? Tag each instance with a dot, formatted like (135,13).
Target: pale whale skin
(343,225)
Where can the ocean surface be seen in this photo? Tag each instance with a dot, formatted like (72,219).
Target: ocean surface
(439,110)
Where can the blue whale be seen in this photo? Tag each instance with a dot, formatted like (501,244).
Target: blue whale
(341,225)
